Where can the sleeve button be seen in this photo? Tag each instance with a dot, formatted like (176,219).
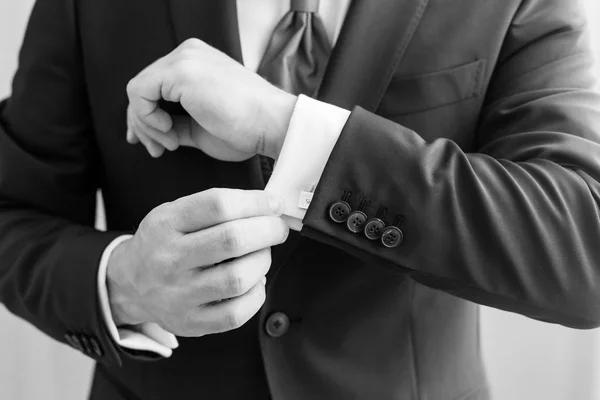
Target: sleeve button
(374,228)
(96,347)
(356,221)
(87,347)
(339,211)
(392,237)
(69,339)
(76,343)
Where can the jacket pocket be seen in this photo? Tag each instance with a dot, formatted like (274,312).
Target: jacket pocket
(416,93)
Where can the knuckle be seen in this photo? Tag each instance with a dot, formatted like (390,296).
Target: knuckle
(232,239)
(261,203)
(218,204)
(236,284)
(186,67)
(162,217)
(233,319)
(191,43)
(130,88)
(166,258)
(190,324)
(181,212)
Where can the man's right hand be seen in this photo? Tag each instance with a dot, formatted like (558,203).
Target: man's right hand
(166,272)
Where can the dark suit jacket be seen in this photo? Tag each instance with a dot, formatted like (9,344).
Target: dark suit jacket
(472,118)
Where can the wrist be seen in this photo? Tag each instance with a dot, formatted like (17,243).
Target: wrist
(121,306)
(279,113)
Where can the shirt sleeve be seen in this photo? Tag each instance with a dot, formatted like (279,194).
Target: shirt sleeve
(313,132)
(145,337)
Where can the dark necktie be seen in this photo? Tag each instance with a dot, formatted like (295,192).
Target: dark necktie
(297,55)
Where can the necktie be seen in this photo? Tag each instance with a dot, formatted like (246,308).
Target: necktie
(296,56)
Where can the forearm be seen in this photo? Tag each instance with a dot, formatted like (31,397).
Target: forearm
(514,234)
(48,275)
(497,231)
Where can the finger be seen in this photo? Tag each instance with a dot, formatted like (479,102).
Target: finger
(230,314)
(158,334)
(155,149)
(131,137)
(158,119)
(135,135)
(230,240)
(231,279)
(144,92)
(182,127)
(168,139)
(215,206)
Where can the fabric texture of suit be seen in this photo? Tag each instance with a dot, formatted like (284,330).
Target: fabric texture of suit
(474,119)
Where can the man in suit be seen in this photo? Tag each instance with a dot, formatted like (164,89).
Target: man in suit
(450,155)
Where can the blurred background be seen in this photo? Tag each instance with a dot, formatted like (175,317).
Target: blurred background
(526,360)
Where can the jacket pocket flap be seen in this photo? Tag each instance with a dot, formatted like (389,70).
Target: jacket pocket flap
(411,94)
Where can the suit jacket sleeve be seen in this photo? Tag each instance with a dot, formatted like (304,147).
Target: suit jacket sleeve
(49,250)
(513,225)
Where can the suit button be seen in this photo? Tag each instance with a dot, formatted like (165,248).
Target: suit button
(69,339)
(374,228)
(356,221)
(339,211)
(87,346)
(96,349)
(77,343)
(277,324)
(392,237)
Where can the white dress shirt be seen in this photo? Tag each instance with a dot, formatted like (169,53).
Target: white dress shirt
(312,134)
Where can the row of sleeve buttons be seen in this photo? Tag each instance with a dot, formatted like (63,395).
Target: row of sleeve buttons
(357,221)
(86,344)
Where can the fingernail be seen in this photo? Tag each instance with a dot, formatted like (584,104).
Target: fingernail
(276,205)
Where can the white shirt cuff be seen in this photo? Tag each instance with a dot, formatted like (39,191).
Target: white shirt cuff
(144,337)
(312,134)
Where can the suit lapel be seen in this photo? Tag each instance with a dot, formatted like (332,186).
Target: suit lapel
(213,21)
(371,45)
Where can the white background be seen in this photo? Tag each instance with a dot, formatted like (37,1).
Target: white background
(526,360)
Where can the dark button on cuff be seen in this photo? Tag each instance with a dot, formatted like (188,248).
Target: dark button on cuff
(77,343)
(356,221)
(87,346)
(96,349)
(374,228)
(69,339)
(392,237)
(339,211)
(277,324)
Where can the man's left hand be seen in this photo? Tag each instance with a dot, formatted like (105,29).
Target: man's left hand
(234,114)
